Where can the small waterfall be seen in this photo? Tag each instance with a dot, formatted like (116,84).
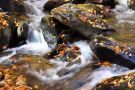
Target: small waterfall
(35,43)
(34,9)
(123,3)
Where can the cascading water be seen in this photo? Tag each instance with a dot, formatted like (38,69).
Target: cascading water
(123,13)
(36,45)
(52,74)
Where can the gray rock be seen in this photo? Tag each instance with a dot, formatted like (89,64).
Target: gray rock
(87,19)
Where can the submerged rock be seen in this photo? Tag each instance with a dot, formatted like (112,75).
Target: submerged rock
(131,4)
(36,63)
(123,82)
(108,49)
(87,19)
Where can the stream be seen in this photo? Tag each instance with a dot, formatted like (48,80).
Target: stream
(81,75)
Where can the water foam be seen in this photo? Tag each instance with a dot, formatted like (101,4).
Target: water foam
(51,74)
(103,73)
(123,13)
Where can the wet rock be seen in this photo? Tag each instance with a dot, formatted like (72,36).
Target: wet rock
(110,3)
(87,19)
(63,72)
(123,82)
(5,31)
(108,49)
(131,4)
(4,38)
(66,52)
(56,33)
(19,33)
(50,26)
(12,5)
(12,32)
(50,4)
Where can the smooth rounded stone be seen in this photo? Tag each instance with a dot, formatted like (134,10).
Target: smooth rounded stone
(12,5)
(123,82)
(131,4)
(110,3)
(109,49)
(86,19)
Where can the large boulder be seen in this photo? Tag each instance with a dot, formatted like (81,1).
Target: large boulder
(19,33)
(123,82)
(108,49)
(57,33)
(12,32)
(131,4)
(12,5)
(87,19)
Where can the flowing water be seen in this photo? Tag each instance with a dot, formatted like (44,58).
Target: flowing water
(82,75)
(124,22)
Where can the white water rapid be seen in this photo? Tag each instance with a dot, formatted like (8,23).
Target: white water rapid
(123,13)
(36,45)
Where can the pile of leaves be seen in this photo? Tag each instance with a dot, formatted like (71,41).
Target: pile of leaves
(65,51)
(3,20)
(11,79)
